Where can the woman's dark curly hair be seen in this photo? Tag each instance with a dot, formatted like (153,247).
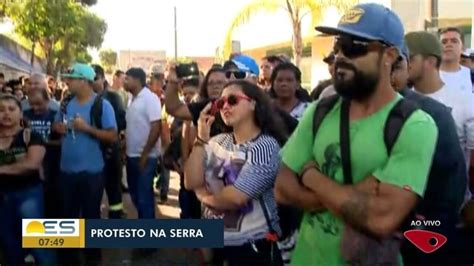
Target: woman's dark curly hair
(265,113)
(203,90)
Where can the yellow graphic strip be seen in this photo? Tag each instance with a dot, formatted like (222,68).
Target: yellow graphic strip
(82,235)
(52,242)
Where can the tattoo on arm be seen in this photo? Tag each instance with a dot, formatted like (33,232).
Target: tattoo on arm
(355,210)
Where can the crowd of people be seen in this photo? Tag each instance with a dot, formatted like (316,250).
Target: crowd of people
(328,178)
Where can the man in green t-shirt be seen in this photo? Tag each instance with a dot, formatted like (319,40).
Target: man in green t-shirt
(386,188)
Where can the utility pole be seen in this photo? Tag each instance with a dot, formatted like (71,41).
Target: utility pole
(175,37)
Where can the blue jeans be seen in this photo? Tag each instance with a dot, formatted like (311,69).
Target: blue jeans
(21,204)
(140,186)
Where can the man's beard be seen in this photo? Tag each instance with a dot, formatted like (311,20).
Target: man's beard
(360,87)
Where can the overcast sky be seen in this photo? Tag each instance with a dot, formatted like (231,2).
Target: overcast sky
(149,25)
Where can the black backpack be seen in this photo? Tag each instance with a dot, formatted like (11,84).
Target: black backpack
(402,110)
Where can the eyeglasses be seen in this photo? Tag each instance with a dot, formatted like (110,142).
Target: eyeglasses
(231,100)
(237,74)
(353,48)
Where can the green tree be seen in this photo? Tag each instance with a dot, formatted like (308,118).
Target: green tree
(62,29)
(108,59)
(296,10)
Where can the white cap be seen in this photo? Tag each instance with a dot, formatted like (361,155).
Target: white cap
(468,53)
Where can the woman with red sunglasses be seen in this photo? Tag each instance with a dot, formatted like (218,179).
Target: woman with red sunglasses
(233,174)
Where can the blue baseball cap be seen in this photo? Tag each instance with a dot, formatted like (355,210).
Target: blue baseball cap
(405,52)
(247,64)
(80,71)
(373,22)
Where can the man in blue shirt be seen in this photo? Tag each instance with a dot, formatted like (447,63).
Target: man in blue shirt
(82,161)
(81,182)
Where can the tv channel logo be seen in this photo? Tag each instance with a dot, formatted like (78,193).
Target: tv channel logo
(52,233)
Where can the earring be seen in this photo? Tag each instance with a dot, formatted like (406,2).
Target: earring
(22,123)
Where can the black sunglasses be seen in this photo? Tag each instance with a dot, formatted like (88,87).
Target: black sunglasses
(236,73)
(353,48)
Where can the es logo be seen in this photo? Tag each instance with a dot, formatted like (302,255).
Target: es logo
(50,227)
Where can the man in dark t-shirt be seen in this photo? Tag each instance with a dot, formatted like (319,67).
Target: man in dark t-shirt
(40,119)
(447,178)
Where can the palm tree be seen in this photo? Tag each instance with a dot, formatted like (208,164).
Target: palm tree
(296,10)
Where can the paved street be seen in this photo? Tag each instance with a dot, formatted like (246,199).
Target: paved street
(162,256)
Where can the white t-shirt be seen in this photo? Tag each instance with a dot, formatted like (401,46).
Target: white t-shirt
(298,110)
(461,104)
(460,80)
(144,109)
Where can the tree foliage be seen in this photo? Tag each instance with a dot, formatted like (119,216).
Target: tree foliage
(108,59)
(295,9)
(62,29)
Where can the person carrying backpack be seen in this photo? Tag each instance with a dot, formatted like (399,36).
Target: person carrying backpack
(356,181)
(113,168)
(447,183)
(82,162)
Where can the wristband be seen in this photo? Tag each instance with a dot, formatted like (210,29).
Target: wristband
(201,140)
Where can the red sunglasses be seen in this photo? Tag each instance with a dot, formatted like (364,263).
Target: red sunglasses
(231,100)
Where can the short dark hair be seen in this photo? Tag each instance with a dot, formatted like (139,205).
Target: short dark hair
(284,66)
(119,73)
(99,71)
(2,76)
(9,97)
(192,82)
(228,65)
(438,60)
(13,82)
(137,73)
(452,29)
(273,59)
(44,94)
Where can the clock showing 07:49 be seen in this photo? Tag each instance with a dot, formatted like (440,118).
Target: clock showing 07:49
(53,233)
(51,242)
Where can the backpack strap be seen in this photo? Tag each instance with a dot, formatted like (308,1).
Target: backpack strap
(395,121)
(345,143)
(322,109)
(96,111)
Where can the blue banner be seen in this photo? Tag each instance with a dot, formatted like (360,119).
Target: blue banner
(151,233)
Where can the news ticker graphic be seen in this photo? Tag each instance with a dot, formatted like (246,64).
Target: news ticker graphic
(116,233)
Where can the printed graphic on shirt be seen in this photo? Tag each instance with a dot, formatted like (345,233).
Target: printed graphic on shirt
(42,127)
(223,169)
(12,155)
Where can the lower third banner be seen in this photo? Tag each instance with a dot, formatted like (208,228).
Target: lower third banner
(79,233)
